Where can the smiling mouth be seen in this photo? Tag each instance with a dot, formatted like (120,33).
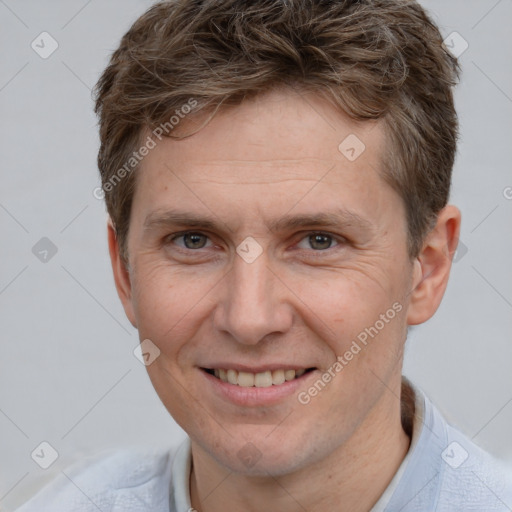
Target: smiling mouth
(258,380)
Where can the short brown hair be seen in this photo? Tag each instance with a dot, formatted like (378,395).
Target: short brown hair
(373,58)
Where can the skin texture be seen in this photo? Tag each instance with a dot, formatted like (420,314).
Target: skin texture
(301,303)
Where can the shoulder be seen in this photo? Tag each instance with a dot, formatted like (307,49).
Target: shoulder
(449,471)
(473,477)
(132,479)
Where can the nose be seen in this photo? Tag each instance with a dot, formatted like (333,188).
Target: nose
(253,302)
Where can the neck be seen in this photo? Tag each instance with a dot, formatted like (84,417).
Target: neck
(352,478)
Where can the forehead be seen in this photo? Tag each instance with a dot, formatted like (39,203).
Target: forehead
(281,145)
(279,123)
(281,129)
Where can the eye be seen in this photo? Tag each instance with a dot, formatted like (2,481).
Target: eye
(191,240)
(318,241)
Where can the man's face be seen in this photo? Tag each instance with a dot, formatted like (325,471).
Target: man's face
(298,305)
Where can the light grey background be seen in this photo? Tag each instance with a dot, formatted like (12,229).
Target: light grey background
(68,375)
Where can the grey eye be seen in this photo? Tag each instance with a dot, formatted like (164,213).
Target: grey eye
(317,241)
(192,240)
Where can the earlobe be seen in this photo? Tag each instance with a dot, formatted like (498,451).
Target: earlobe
(121,273)
(432,266)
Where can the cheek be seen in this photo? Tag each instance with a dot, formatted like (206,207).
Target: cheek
(348,301)
(166,303)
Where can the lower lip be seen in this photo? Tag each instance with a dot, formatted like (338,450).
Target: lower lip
(253,396)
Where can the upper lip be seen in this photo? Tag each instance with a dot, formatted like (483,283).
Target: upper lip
(255,369)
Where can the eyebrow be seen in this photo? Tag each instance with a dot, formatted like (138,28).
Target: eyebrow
(341,217)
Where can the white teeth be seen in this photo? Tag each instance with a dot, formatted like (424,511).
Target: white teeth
(263,380)
(232,376)
(289,374)
(259,380)
(245,379)
(278,377)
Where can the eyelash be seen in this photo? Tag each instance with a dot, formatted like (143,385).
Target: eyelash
(339,240)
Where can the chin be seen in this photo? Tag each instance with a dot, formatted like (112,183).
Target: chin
(264,455)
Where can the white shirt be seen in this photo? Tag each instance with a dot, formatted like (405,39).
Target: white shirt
(443,471)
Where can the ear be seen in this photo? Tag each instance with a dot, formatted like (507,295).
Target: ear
(432,266)
(121,273)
